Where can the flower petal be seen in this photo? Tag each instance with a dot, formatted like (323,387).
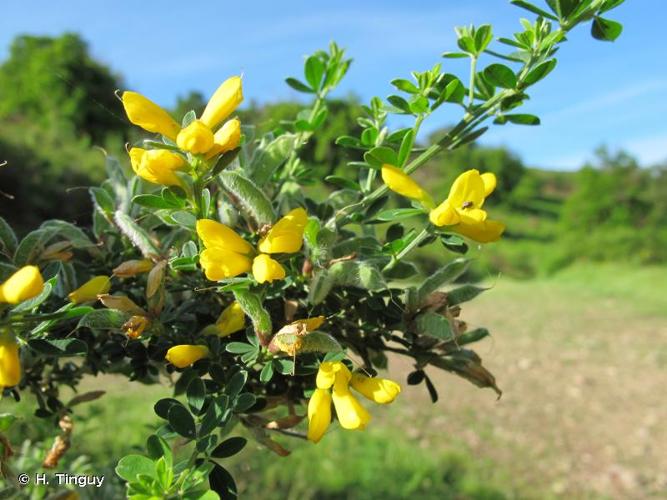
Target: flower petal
(401,183)
(24,284)
(184,355)
(196,138)
(467,189)
(220,263)
(10,362)
(89,291)
(264,269)
(319,414)
(231,320)
(444,215)
(227,138)
(224,101)
(380,390)
(349,411)
(490,181)
(482,232)
(146,114)
(286,235)
(217,235)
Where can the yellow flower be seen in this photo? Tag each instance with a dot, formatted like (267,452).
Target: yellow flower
(319,414)
(286,235)
(135,326)
(227,255)
(379,390)
(223,102)
(326,375)
(10,363)
(227,138)
(462,210)
(399,182)
(231,320)
(196,138)
(349,411)
(149,116)
(24,284)
(89,291)
(131,268)
(157,165)
(185,354)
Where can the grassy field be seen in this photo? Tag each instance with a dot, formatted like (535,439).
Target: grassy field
(581,358)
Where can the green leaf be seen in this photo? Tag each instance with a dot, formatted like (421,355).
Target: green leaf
(251,197)
(399,103)
(239,347)
(252,306)
(380,155)
(406,148)
(405,85)
(103,319)
(472,136)
(8,240)
(162,407)
(342,182)
(535,10)
(394,214)
(157,447)
(434,325)
(136,234)
(454,55)
(298,85)
(196,394)
(606,29)
(540,72)
(59,347)
(357,274)
(454,243)
(6,421)
(320,286)
(522,119)
(463,294)
(244,402)
(152,201)
(266,374)
(483,37)
(500,76)
(181,420)
(319,342)
(229,447)
(314,71)
(269,157)
(32,245)
(130,466)
(441,277)
(236,383)
(184,219)
(33,303)
(222,483)
(472,336)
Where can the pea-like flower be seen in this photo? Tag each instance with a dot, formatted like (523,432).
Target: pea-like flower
(462,210)
(184,355)
(24,284)
(333,382)
(135,326)
(89,291)
(227,254)
(158,166)
(10,363)
(231,320)
(199,136)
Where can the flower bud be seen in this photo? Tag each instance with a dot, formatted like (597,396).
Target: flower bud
(196,138)
(146,114)
(10,363)
(264,269)
(89,291)
(231,320)
(24,284)
(379,390)
(156,165)
(184,355)
(131,268)
(319,414)
(223,102)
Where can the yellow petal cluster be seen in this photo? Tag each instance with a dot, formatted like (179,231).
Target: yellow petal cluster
(157,165)
(231,320)
(462,210)
(199,137)
(182,356)
(89,291)
(24,284)
(333,382)
(10,363)
(227,255)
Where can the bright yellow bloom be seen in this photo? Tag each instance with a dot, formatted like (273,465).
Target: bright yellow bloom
(231,320)
(227,254)
(24,284)
(227,138)
(10,363)
(89,291)
(223,102)
(462,210)
(379,390)
(326,375)
(196,138)
(349,411)
(157,165)
(399,182)
(146,114)
(185,354)
(131,268)
(286,235)
(265,269)
(319,414)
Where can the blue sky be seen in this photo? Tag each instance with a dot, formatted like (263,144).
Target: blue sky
(600,93)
